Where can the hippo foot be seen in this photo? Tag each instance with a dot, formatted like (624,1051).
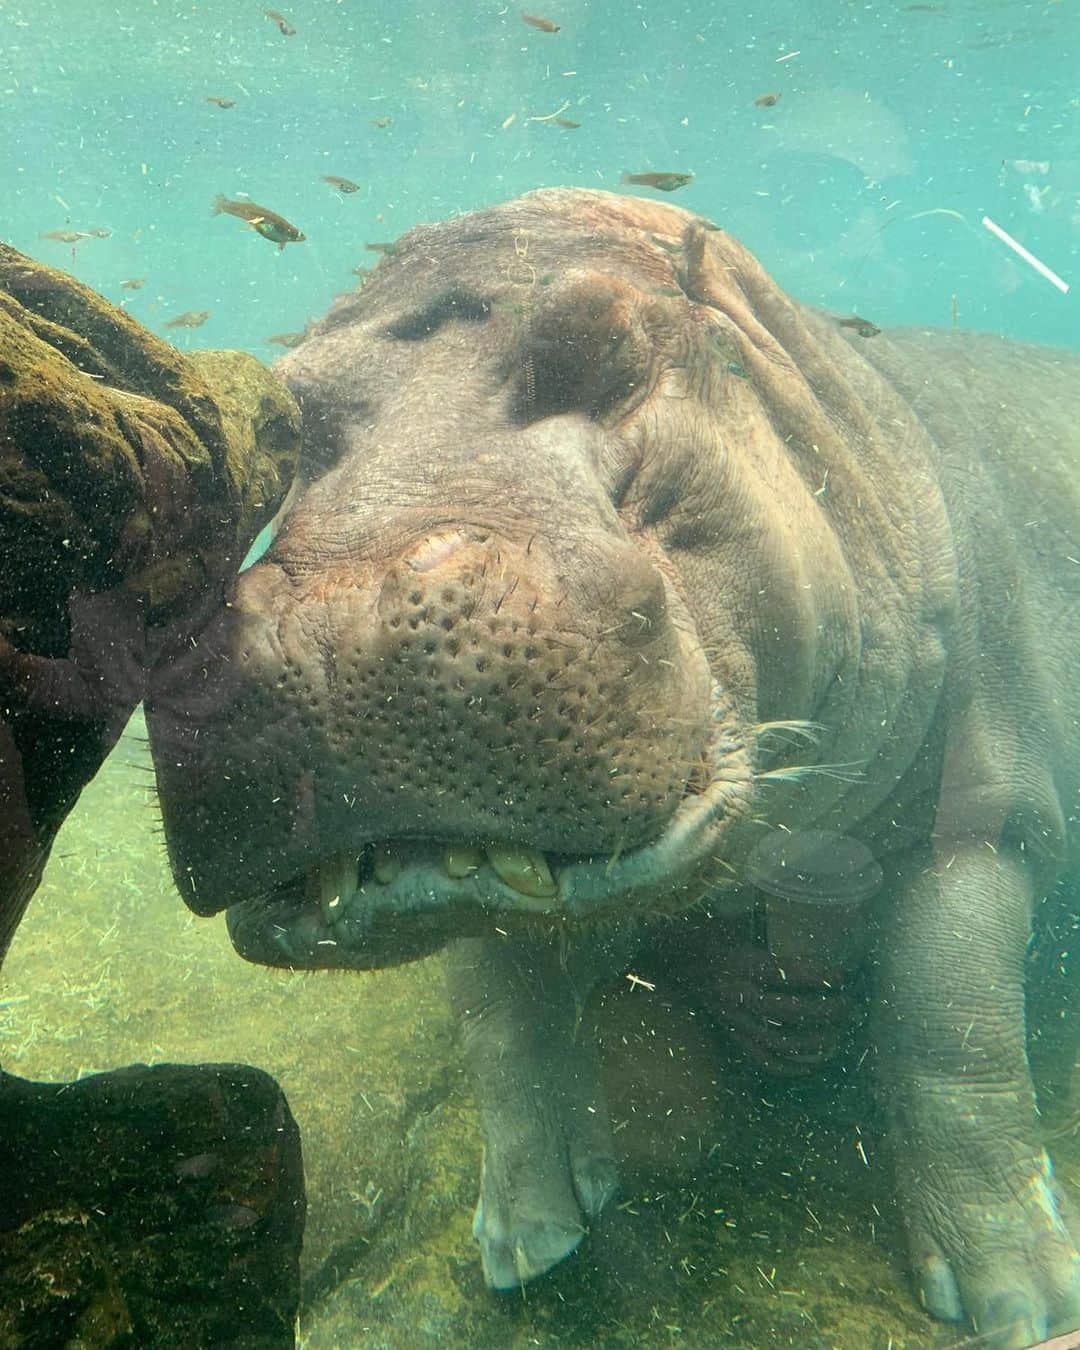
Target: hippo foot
(526,1226)
(1001,1255)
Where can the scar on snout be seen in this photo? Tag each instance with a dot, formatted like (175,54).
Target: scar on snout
(436,548)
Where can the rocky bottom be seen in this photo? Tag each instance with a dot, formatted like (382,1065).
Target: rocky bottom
(753,1213)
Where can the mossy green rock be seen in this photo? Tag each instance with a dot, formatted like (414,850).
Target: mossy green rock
(123,463)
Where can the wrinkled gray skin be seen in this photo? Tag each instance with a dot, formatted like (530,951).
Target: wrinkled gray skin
(587,503)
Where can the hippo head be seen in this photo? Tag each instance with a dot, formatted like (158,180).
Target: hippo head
(504,662)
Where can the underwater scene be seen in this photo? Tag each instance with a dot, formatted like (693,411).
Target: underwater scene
(539,696)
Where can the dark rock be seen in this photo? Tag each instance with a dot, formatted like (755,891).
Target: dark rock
(111,1235)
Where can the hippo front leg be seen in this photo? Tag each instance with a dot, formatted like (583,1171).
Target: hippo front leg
(548,1163)
(986,1231)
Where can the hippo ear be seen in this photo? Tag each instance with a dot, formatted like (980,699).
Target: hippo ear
(720,273)
(583,349)
(797,369)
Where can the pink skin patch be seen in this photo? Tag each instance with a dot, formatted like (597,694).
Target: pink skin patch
(435,550)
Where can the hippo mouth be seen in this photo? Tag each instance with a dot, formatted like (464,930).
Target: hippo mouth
(398,900)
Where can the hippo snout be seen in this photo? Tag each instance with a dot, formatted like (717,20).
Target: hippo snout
(484,702)
(457,725)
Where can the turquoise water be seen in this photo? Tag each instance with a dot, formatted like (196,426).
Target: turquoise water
(887,111)
(863,188)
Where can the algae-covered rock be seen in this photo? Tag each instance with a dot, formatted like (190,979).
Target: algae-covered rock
(157,1206)
(122,461)
(132,481)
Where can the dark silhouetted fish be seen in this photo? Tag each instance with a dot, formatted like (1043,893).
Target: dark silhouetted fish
(663,182)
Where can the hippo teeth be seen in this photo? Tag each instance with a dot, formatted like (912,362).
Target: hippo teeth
(386,867)
(461,860)
(334,884)
(523,869)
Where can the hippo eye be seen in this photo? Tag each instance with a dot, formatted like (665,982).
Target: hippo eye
(584,351)
(326,420)
(446,306)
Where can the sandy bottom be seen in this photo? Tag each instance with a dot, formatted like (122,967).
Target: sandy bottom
(752,1215)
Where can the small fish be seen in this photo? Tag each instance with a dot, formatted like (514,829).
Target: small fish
(287,339)
(381,123)
(766,100)
(191,318)
(133,284)
(566,122)
(663,182)
(362,272)
(386,249)
(342,184)
(863,327)
(268,223)
(221,102)
(544,25)
(65,236)
(98,234)
(284,26)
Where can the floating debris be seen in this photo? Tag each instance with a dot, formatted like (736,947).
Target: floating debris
(219,102)
(1026,166)
(556,118)
(544,25)
(285,28)
(268,223)
(663,182)
(550,117)
(1029,258)
(191,318)
(1035,196)
(766,100)
(345,185)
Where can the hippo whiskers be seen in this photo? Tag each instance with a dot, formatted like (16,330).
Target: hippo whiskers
(801,730)
(852,772)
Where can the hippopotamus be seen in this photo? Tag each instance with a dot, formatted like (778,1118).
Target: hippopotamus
(606,561)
